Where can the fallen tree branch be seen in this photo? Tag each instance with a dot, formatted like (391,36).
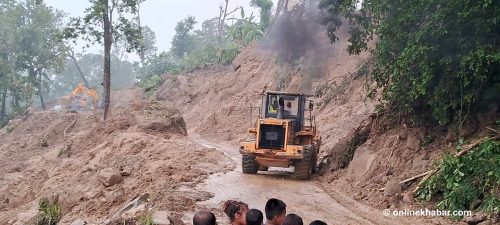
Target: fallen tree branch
(489,128)
(413,178)
(416,177)
(424,179)
(467,148)
(429,173)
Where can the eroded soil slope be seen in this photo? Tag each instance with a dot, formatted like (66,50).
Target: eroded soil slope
(68,156)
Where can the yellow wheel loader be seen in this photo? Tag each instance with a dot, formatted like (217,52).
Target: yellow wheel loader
(284,136)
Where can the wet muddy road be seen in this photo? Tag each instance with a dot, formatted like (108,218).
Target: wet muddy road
(304,198)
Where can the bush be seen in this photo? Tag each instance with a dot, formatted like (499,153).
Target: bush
(49,213)
(145,219)
(151,84)
(470,182)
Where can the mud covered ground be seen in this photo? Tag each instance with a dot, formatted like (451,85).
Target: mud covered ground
(62,156)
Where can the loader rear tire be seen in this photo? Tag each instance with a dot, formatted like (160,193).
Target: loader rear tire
(304,167)
(314,162)
(249,164)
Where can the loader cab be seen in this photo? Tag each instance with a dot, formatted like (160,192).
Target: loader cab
(286,106)
(283,106)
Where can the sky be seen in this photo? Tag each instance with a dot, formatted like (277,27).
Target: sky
(161,15)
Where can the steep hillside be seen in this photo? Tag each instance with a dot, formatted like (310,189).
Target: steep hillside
(216,101)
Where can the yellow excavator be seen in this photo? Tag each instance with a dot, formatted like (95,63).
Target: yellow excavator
(80,95)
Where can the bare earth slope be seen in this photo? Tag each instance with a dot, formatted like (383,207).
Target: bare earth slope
(61,156)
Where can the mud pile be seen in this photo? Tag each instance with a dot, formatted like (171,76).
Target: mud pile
(93,168)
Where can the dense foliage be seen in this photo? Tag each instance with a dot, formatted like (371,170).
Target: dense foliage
(470,182)
(183,41)
(219,40)
(29,51)
(435,59)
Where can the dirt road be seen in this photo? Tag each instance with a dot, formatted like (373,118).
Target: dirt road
(304,198)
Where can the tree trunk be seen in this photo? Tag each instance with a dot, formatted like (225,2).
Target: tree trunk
(108,41)
(40,92)
(3,111)
(72,56)
(16,101)
(142,49)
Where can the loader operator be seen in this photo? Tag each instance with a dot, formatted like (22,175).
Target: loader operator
(288,109)
(283,112)
(273,107)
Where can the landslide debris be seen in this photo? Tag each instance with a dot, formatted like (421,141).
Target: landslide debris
(92,168)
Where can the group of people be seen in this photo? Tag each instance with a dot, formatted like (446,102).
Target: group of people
(240,214)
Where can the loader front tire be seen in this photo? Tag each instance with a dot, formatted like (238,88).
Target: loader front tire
(304,167)
(249,164)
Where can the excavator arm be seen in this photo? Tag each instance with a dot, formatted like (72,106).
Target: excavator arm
(82,89)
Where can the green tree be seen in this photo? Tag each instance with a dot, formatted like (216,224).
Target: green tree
(39,46)
(436,59)
(157,65)
(265,7)
(148,43)
(245,30)
(207,35)
(6,37)
(183,40)
(100,25)
(29,48)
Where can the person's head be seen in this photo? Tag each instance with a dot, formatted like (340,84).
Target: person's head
(317,222)
(204,217)
(289,105)
(292,219)
(254,217)
(275,211)
(236,211)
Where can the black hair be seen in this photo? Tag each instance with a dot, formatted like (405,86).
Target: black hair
(204,217)
(317,222)
(232,207)
(274,207)
(254,217)
(292,219)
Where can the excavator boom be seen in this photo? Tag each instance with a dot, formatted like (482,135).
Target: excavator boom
(82,89)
